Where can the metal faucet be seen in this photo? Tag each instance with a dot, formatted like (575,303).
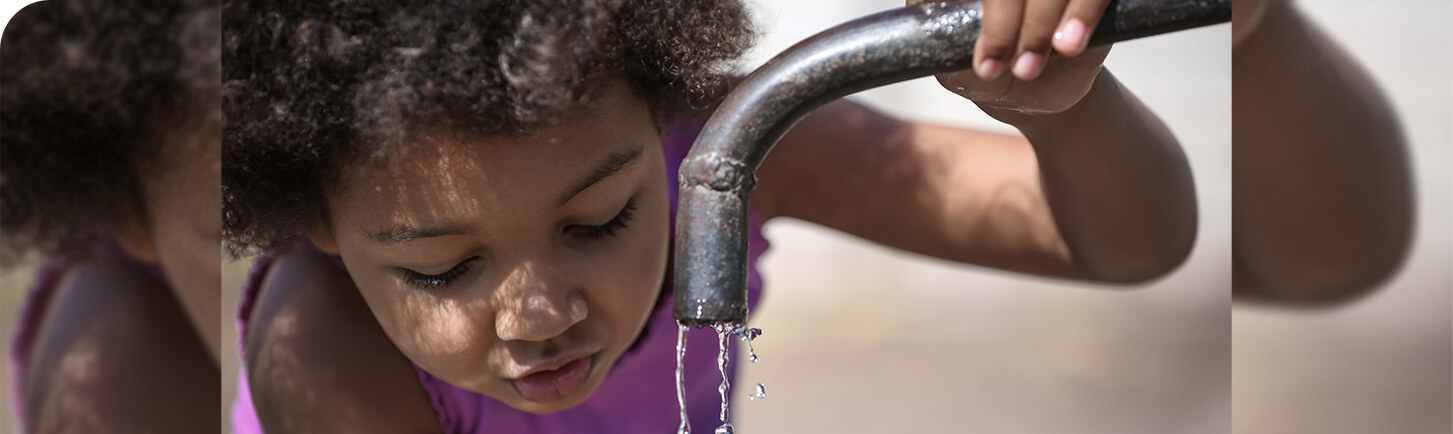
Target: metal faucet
(879,49)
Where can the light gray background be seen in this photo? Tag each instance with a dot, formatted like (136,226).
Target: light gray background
(859,338)
(1381,364)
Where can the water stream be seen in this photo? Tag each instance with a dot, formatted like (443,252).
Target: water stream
(681,378)
(722,357)
(723,331)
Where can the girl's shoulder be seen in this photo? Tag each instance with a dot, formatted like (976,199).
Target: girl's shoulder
(312,347)
(111,309)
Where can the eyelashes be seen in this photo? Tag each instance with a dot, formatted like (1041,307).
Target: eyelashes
(592,233)
(436,281)
(580,232)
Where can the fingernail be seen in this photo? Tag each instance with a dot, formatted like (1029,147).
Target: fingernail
(1028,65)
(989,68)
(1072,32)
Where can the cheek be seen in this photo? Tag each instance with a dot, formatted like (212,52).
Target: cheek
(426,327)
(631,277)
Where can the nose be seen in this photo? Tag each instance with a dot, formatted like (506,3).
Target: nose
(535,305)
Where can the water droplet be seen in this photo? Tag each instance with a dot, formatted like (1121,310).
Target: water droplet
(761,393)
(752,352)
(723,331)
(747,335)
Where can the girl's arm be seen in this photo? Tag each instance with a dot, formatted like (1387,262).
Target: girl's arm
(317,360)
(1097,191)
(1323,202)
(1096,188)
(115,353)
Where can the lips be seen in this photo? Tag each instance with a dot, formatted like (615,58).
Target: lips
(550,385)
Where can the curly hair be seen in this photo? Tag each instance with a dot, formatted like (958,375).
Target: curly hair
(91,88)
(312,86)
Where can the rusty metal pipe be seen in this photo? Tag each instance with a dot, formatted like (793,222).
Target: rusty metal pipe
(884,48)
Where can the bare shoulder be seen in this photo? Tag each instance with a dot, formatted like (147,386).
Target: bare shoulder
(111,335)
(317,360)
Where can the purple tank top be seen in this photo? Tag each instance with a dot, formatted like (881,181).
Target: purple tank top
(639,394)
(28,320)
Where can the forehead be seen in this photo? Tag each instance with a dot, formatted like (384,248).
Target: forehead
(448,172)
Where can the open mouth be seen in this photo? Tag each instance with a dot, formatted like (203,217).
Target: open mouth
(550,385)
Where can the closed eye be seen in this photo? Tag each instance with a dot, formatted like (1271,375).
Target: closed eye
(437,281)
(609,229)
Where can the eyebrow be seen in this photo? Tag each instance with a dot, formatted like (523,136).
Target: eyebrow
(610,167)
(404,233)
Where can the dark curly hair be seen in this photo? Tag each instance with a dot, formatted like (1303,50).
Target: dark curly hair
(312,86)
(90,90)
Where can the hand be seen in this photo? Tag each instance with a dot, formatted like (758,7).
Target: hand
(1017,36)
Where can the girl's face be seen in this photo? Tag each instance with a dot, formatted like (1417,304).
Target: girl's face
(519,267)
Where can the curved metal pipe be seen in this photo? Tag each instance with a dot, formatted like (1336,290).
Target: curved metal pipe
(884,48)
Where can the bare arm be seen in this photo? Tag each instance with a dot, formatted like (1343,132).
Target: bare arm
(317,361)
(113,335)
(1100,191)
(1323,206)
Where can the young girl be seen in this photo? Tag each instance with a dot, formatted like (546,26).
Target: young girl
(109,166)
(465,210)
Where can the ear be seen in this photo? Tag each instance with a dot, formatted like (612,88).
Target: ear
(134,237)
(322,237)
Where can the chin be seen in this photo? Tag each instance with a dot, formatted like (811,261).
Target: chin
(563,404)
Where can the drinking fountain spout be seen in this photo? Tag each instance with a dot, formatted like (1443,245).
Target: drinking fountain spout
(879,49)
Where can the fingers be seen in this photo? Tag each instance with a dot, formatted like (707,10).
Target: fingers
(998,37)
(1080,19)
(1017,35)
(1041,18)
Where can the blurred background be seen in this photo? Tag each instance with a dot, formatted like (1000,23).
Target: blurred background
(1381,363)
(859,338)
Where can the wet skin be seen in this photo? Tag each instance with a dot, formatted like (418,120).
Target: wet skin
(486,259)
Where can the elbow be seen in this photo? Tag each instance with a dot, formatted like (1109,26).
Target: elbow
(1140,259)
(1315,281)
(1326,267)
(1322,288)
(1137,270)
